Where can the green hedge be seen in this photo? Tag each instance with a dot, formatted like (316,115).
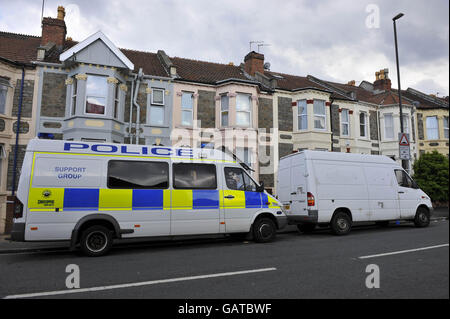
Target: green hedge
(431,174)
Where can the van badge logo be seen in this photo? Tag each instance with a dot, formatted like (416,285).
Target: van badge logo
(46,193)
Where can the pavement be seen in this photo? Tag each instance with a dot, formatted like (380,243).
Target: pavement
(7,246)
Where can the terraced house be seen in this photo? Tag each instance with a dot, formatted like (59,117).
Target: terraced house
(54,87)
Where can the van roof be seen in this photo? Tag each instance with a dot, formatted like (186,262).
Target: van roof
(344,157)
(114,149)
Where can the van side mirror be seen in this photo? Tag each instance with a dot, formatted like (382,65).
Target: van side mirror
(260,188)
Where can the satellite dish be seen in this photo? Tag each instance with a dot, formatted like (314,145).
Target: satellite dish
(267,66)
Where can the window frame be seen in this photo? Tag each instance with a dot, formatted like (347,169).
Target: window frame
(446,130)
(98,96)
(116,101)
(300,116)
(317,115)
(364,125)
(432,128)
(343,123)
(163,97)
(128,162)
(222,111)
(391,116)
(200,188)
(4,88)
(244,173)
(405,121)
(191,110)
(249,111)
(73,105)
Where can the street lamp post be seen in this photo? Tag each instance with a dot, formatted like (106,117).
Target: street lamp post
(398,16)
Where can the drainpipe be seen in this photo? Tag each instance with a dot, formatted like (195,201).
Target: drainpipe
(379,131)
(138,107)
(19,113)
(131,111)
(331,123)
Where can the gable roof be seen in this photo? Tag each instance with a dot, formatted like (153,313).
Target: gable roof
(91,39)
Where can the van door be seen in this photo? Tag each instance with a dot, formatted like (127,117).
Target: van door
(408,195)
(298,188)
(195,199)
(240,200)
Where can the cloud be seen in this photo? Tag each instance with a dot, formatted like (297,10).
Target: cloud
(327,38)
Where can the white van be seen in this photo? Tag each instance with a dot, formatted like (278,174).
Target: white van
(91,193)
(338,189)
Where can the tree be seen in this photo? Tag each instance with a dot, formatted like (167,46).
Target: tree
(431,174)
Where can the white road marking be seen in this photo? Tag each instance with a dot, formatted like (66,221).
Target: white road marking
(136,284)
(403,251)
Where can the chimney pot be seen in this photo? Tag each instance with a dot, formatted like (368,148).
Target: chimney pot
(61,13)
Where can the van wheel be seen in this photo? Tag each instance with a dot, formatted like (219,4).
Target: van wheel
(422,218)
(306,228)
(96,241)
(264,230)
(341,224)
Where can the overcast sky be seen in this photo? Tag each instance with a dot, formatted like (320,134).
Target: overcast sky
(337,40)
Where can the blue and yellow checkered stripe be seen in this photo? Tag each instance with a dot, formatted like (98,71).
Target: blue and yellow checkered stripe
(79,199)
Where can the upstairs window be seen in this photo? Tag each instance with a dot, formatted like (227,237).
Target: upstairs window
(345,122)
(362,124)
(96,93)
(224,104)
(243,110)
(446,126)
(3,93)
(405,124)
(388,126)
(157,107)
(116,101)
(187,109)
(302,115)
(74,96)
(320,115)
(432,128)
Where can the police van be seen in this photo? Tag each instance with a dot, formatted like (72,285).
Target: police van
(92,193)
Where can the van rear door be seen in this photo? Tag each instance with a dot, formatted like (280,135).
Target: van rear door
(298,186)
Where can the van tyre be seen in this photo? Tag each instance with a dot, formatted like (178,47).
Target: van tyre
(96,241)
(306,228)
(341,224)
(422,218)
(264,230)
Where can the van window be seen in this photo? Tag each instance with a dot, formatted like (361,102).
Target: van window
(237,179)
(194,176)
(138,174)
(403,179)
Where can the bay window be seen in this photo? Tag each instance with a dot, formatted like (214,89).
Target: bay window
(96,94)
(243,110)
(3,93)
(320,115)
(302,115)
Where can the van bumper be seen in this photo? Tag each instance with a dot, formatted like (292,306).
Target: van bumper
(18,232)
(312,217)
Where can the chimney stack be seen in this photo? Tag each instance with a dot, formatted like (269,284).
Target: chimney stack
(352,82)
(54,30)
(382,81)
(254,62)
